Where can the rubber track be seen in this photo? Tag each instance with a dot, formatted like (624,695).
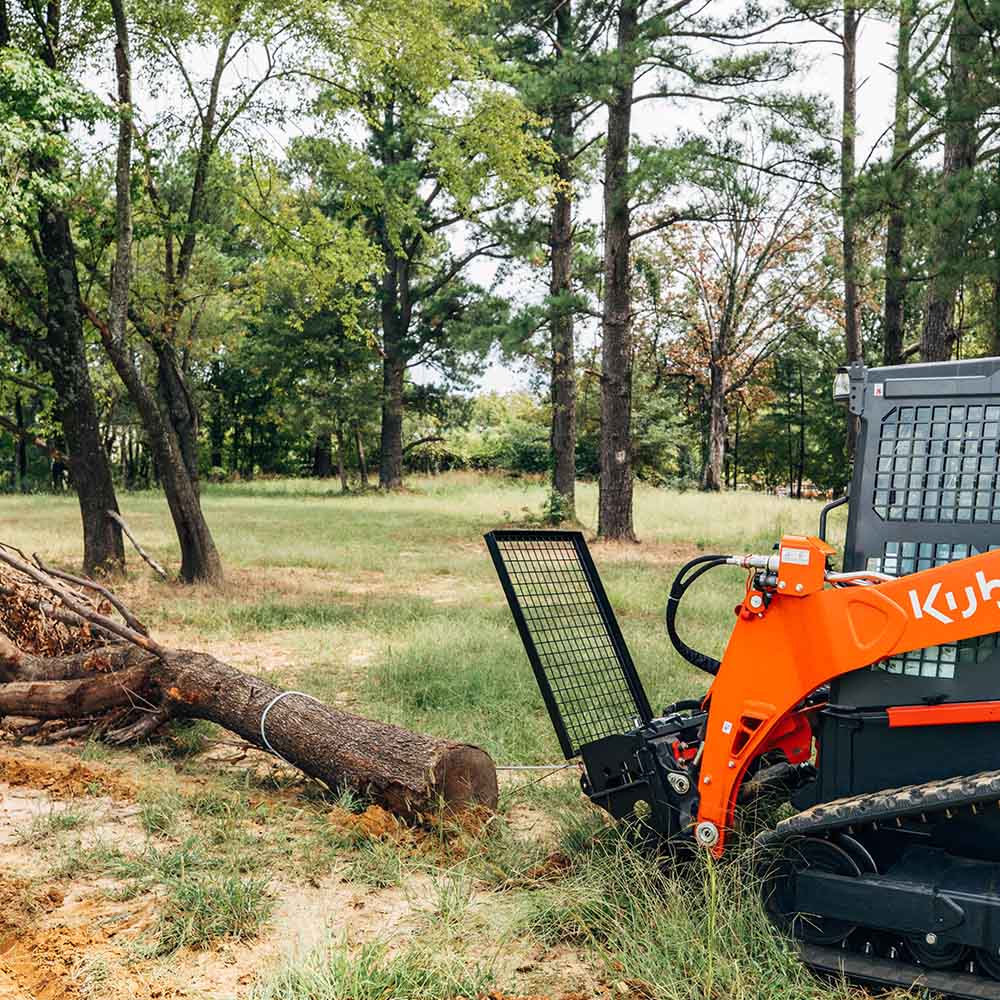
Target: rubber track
(933,797)
(875,807)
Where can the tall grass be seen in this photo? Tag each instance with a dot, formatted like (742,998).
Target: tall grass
(335,971)
(687,932)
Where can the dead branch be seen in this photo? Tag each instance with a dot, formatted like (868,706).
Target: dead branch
(79,606)
(120,521)
(105,592)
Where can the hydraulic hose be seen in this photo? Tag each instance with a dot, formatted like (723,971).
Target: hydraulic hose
(682,581)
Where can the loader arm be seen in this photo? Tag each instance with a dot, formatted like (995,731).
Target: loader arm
(802,634)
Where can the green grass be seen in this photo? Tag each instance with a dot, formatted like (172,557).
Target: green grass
(202,908)
(388,606)
(693,932)
(334,971)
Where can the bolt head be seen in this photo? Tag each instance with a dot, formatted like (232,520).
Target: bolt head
(931,938)
(799,588)
(679,783)
(707,834)
(756,601)
(781,585)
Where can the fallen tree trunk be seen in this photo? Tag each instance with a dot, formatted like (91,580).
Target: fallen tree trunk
(406,772)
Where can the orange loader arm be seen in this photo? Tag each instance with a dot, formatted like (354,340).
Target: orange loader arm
(796,637)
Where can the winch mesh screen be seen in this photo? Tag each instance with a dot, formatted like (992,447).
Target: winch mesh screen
(570,633)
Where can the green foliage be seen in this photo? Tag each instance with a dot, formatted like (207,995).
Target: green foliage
(36,104)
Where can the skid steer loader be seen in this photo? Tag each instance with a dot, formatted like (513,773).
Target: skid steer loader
(867,696)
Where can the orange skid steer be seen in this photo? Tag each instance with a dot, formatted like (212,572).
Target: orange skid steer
(867,697)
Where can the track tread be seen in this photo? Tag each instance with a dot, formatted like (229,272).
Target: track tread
(931,799)
(911,800)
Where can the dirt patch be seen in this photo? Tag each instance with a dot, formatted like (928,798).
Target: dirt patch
(72,945)
(44,962)
(21,902)
(374,823)
(61,774)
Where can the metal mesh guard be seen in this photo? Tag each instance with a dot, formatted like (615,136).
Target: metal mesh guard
(581,662)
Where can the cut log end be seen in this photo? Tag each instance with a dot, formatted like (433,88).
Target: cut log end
(466,778)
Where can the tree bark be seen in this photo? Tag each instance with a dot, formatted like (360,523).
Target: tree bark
(899,179)
(711,477)
(563,436)
(614,519)
(406,772)
(390,475)
(199,557)
(322,458)
(20,448)
(63,355)
(848,144)
(341,463)
(801,462)
(950,239)
(180,409)
(362,461)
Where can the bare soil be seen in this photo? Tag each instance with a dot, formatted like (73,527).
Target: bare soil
(72,938)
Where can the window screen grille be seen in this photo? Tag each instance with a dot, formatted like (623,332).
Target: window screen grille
(938,464)
(569,631)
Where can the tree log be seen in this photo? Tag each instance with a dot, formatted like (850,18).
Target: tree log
(146,684)
(73,699)
(406,772)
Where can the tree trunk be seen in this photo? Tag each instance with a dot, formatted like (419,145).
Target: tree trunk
(405,772)
(63,355)
(614,519)
(848,142)
(801,463)
(180,409)
(362,461)
(199,557)
(950,239)
(899,180)
(217,424)
(563,437)
(736,448)
(341,464)
(390,476)
(711,476)
(322,456)
(20,448)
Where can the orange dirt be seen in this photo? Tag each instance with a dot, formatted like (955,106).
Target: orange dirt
(44,962)
(374,823)
(62,774)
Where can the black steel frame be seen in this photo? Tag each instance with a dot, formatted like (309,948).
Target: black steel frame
(576,649)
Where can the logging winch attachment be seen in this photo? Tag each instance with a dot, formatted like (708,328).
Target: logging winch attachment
(867,696)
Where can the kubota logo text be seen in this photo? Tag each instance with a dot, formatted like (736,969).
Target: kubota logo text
(929,604)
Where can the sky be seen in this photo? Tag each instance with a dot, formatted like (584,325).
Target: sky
(876,56)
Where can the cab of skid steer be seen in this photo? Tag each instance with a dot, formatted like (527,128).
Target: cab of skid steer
(925,491)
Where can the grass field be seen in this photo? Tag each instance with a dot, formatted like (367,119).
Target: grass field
(193,868)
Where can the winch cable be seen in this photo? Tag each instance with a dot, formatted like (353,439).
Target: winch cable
(681,583)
